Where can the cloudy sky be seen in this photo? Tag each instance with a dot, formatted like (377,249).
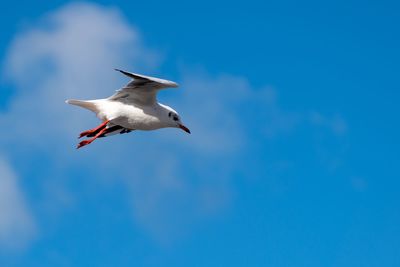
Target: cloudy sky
(293,158)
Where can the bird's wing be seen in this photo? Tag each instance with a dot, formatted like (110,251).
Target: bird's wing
(141,90)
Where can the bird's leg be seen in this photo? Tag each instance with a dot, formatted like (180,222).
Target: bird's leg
(88,141)
(94,130)
(109,130)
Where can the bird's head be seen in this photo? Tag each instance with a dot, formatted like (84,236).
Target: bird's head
(174,120)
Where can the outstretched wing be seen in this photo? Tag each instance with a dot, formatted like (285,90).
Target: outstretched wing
(141,90)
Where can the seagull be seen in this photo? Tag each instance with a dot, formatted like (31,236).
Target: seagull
(133,107)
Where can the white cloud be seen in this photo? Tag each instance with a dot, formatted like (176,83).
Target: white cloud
(17,227)
(336,124)
(212,107)
(69,53)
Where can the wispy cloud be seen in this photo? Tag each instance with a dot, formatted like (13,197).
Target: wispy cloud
(68,53)
(336,124)
(17,226)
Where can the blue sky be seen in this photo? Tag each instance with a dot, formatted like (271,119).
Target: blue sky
(293,158)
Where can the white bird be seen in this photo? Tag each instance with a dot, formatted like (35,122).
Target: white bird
(134,107)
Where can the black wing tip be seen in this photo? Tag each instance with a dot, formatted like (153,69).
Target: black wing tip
(119,70)
(130,75)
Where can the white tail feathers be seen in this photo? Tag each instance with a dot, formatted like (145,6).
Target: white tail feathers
(83,103)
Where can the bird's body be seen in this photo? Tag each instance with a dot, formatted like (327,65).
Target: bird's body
(126,115)
(133,107)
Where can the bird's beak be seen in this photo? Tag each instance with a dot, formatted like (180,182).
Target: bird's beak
(183,127)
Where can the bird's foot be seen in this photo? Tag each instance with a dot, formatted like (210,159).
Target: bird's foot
(99,131)
(85,133)
(94,131)
(83,143)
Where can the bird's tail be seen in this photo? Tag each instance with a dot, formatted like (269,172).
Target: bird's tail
(88,104)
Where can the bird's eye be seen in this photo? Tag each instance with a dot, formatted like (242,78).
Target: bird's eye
(176,118)
(169,114)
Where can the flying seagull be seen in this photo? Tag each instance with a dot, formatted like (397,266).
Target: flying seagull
(133,107)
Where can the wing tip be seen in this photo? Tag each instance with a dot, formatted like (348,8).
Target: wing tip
(130,75)
(124,72)
(153,79)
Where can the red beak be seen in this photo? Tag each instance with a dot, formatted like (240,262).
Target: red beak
(183,127)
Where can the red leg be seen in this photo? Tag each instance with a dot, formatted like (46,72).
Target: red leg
(86,142)
(98,128)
